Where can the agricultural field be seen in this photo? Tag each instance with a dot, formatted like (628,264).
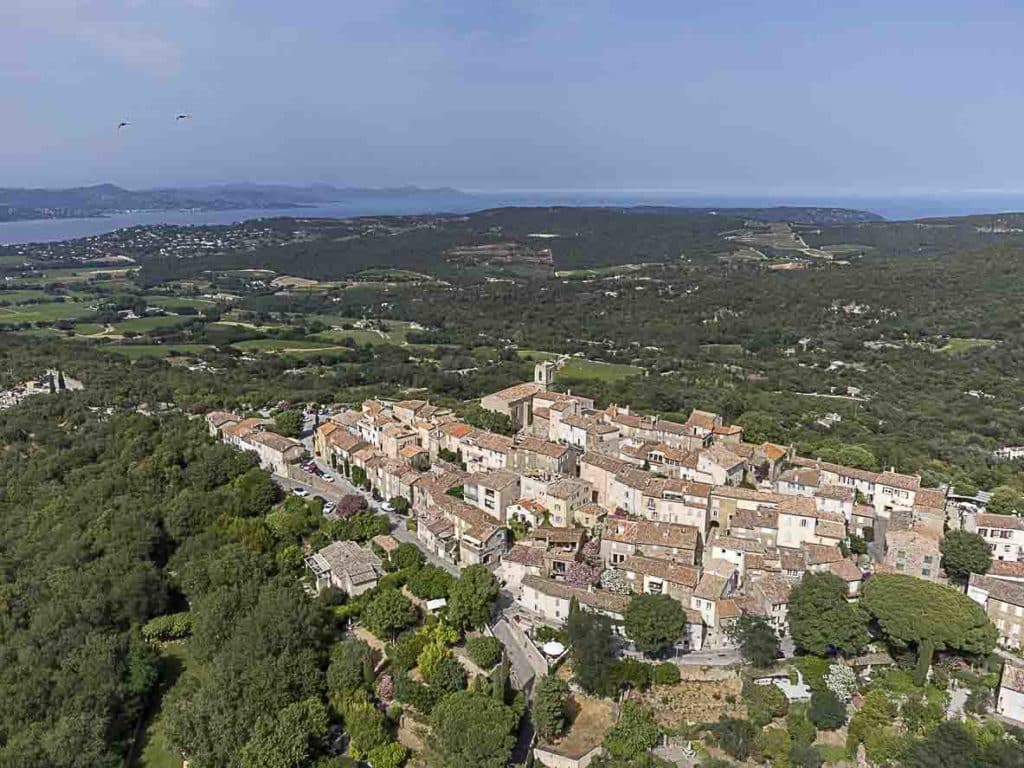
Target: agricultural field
(575,368)
(136,351)
(179,302)
(285,345)
(44,313)
(144,324)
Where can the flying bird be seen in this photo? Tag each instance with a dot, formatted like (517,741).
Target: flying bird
(123,124)
(183,117)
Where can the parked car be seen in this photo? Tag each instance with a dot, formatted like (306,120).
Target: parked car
(387,506)
(300,492)
(326,477)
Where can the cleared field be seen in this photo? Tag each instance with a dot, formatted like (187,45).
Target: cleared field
(154,750)
(21,296)
(286,345)
(360,337)
(143,324)
(136,351)
(79,275)
(178,302)
(44,313)
(535,354)
(89,329)
(575,368)
(956,346)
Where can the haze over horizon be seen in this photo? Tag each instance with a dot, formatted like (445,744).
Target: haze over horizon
(787,98)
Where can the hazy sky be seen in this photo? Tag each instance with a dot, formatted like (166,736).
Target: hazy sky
(718,96)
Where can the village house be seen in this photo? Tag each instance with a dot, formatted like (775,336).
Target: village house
(895,492)
(1004,534)
(736,550)
(590,515)
(1003,601)
(531,454)
(560,496)
(623,538)
(600,471)
(492,492)
(1010,699)
(800,521)
(912,546)
(657,576)
(664,459)
(551,600)
(391,478)
(837,499)
(217,420)
(482,451)
(722,465)
(585,433)
(515,402)
(652,429)
(814,558)
(346,566)
(861,480)
(768,597)
(659,498)
(528,511)
(718,611)
(799,481)
(725,501)
(395,437)
(276,453)
(760,524)
(460,532)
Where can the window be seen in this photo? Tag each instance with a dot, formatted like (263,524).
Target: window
(926,572)
(803,522)
(927,559)
(983,531)
(617,557)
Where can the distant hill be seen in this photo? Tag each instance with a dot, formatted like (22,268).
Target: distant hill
(102,199)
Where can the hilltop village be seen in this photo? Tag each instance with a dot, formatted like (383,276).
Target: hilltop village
(581,508)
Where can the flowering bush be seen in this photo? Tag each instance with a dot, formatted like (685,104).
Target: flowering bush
(581,575)
(385,688)
(842,681)
(613,581)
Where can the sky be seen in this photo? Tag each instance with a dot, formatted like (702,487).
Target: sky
(749,97)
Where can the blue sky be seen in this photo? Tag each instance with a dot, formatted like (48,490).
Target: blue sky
(775,97)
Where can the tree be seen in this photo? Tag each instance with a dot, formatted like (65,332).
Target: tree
(287,739)
(430,659)
(964,553)
(483,651)
(387,613)
(774,745)
(471,598)
(430,583)
(950,745)
(590,640)
(351,666)
(450,675)
(364,724)
(1005,500)
(472,730)
(756,639)
(765,703)
(635,733)
(930,616)
(488,421)
(735,737)
(827,711)
(654,622)
(821,621)
(877,712)
(288,423)
(406,555)
(399,503)
(550,707)
(351,504)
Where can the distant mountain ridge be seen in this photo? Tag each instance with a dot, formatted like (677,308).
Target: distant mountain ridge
(102,199)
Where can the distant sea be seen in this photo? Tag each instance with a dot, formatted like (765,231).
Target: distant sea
(893,208)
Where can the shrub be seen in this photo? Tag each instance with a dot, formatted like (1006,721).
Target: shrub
(388,756)
(666,674)
(765,703)
(172,626)
(483,651)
